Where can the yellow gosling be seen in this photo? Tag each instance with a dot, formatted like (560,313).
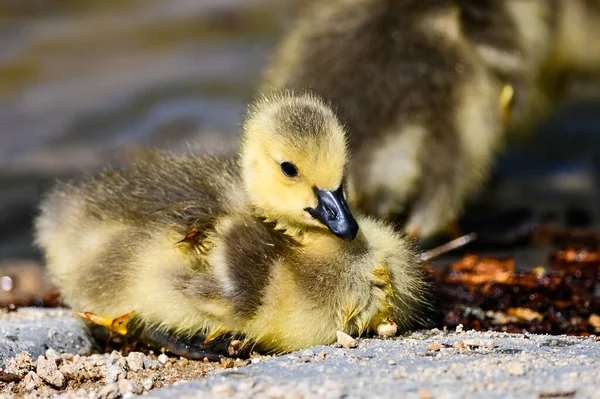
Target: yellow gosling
(262,246)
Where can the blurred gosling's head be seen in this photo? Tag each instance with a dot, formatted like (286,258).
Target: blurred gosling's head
(294,155)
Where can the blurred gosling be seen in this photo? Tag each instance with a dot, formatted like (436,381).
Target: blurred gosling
(428,89)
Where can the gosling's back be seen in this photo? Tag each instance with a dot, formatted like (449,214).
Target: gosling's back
(92,230)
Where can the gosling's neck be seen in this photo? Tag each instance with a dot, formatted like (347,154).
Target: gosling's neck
(319,240)
(301,233)
(289,227)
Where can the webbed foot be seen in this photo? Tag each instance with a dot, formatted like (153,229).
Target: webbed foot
(194,347)
(117,325)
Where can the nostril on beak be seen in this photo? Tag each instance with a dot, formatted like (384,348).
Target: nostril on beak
(332,214)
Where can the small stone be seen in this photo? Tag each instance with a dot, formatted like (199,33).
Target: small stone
(459,328)
(256,360)
(391,362)
(89,369)
(135,361)
(388,329)
(20,365)
(110,391)
(322,355)
(148,383)
(114,374)
(128,386)
(234,347)
(117,360)
(345,340)
(242,362)
(53,355)
(459,345)
(479,343)
(162,358)
(48,371)
(95,360)
(436,346)
(69,370)
(227,362)
(151,364)
(32,381)
(515,368)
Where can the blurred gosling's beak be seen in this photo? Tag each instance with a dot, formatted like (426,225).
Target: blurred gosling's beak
(332,210)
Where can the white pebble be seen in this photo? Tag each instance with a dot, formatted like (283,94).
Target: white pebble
(162,358)
(345,340)
(479,343)
(48,371)
(135,361)
(388,329)
(148,383)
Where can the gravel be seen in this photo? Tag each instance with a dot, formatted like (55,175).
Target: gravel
(135,361)
(47,370)
(46,353)
(101,375)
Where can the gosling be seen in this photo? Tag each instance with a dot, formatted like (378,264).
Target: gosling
(261,247)
(428,89)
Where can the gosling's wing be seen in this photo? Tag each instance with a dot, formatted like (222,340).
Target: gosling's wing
(154,191)
(116,236)
(164,190)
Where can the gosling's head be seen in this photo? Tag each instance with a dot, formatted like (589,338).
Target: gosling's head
(294,155)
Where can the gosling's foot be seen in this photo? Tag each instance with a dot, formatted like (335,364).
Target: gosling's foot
(117,325)
(194,347)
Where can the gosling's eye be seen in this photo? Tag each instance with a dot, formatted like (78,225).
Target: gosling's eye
(289,169)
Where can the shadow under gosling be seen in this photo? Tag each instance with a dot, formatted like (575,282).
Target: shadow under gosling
(262,246)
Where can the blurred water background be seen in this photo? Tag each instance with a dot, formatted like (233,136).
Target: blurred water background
(84,81)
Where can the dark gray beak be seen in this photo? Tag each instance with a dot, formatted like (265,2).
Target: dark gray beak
(334,213)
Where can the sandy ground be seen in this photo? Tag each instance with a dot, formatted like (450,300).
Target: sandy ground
(425,364)
(428,364)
